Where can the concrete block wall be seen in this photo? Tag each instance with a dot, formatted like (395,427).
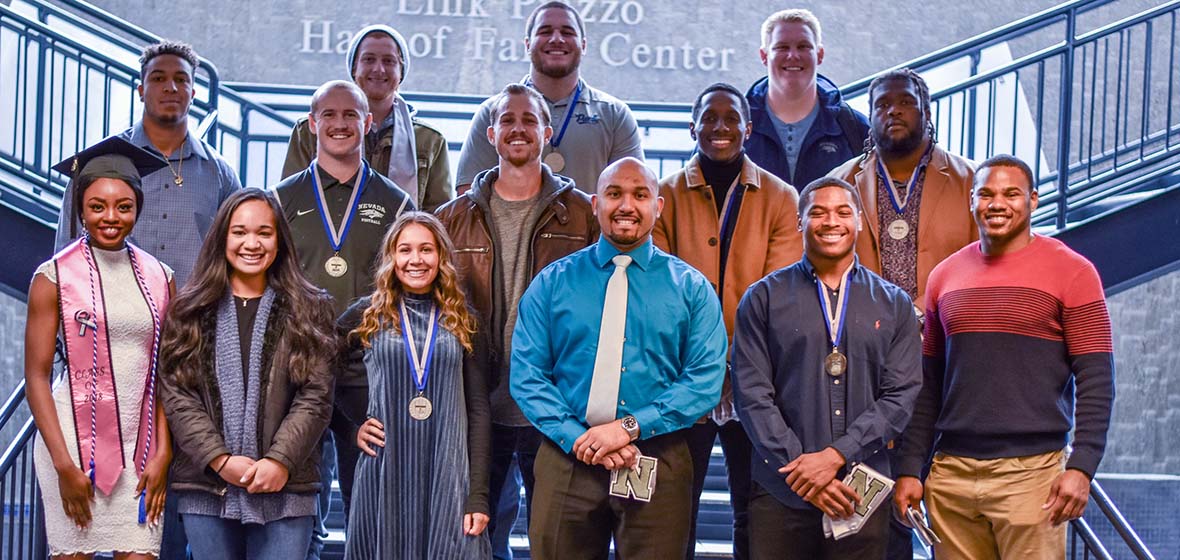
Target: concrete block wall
(1144,432)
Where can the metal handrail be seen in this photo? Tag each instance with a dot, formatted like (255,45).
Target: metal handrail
(973,45)
(1089,539)
(211,79)
(17,446)
(12,404)
(1125,158)
(1124,529)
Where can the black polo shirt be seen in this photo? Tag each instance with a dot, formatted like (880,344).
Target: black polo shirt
(379,206)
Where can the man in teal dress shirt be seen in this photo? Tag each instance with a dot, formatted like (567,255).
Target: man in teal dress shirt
(673,361)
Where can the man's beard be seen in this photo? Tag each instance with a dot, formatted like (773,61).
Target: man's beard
(555,71)
(902,146)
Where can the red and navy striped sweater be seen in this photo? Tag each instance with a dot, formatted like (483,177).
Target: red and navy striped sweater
(1017,347)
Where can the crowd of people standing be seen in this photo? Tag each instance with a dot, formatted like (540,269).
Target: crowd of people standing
(816,288)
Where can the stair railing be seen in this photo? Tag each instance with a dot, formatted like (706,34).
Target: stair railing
(22,524)
(1113,119)
(1090,545)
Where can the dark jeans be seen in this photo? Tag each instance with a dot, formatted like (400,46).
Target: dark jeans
(736,445)
(173,543)
(508,444)
(575,517)
(506,508)
(782,533)
(214,538)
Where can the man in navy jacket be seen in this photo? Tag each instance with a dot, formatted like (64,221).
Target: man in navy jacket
(802,127)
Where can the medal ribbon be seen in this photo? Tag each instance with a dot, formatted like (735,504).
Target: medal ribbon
(569,112)
(336,237)
(919,173)
(834,322)
(421,366)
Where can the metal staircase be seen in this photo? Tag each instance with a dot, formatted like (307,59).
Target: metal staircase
(1086,90)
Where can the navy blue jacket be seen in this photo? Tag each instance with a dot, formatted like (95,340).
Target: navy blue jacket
(825,147)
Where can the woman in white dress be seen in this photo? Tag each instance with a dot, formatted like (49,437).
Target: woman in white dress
(103,448)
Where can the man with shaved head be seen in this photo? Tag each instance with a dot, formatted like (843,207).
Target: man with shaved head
(612,378)
(339,209)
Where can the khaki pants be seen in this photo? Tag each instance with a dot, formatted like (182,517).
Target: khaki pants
(991,508)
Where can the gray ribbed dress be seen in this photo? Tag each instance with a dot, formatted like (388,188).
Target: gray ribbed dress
(408,502)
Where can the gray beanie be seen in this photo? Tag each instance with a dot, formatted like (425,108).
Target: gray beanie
(355,45)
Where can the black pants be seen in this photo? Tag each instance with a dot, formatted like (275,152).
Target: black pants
(736,445)
(575,516)
(352,403)
(508,442)
(782,533)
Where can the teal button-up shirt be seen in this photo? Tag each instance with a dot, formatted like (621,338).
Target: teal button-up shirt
(673,356)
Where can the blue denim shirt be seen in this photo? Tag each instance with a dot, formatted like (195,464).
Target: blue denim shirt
(673,356)
(782,394)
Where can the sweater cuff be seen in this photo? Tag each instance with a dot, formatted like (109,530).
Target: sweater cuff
(908,465)
(476,503)
(1083,462)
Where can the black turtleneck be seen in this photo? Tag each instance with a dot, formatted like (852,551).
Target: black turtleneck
(720,176)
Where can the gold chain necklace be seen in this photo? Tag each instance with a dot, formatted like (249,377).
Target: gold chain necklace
(176,178)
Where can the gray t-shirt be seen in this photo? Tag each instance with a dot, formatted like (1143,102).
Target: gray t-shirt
(792,135)
(601,131)
(513,221)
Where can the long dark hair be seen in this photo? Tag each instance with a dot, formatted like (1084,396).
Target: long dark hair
(308,332)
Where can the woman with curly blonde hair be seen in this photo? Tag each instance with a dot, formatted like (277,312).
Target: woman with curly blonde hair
(421,488)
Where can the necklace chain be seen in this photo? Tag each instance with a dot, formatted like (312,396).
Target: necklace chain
(176,177)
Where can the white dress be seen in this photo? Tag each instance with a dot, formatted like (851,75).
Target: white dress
(114,524)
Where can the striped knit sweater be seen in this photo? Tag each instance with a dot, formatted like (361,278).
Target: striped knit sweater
(1017,348)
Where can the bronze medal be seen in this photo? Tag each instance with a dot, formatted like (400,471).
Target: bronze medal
(835,364)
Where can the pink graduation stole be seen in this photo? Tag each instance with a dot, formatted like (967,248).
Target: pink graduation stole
(88,358)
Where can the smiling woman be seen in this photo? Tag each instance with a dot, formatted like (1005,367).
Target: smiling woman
(103,446)
(244,375)
(421,487)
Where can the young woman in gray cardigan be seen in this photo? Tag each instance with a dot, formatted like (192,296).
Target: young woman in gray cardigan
(245,372)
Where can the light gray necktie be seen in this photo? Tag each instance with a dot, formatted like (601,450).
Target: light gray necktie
(608,362)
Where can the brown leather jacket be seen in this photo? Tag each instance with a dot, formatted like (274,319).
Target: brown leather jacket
(566,225)
(291,417)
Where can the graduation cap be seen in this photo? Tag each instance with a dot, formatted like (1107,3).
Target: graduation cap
(114,158)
